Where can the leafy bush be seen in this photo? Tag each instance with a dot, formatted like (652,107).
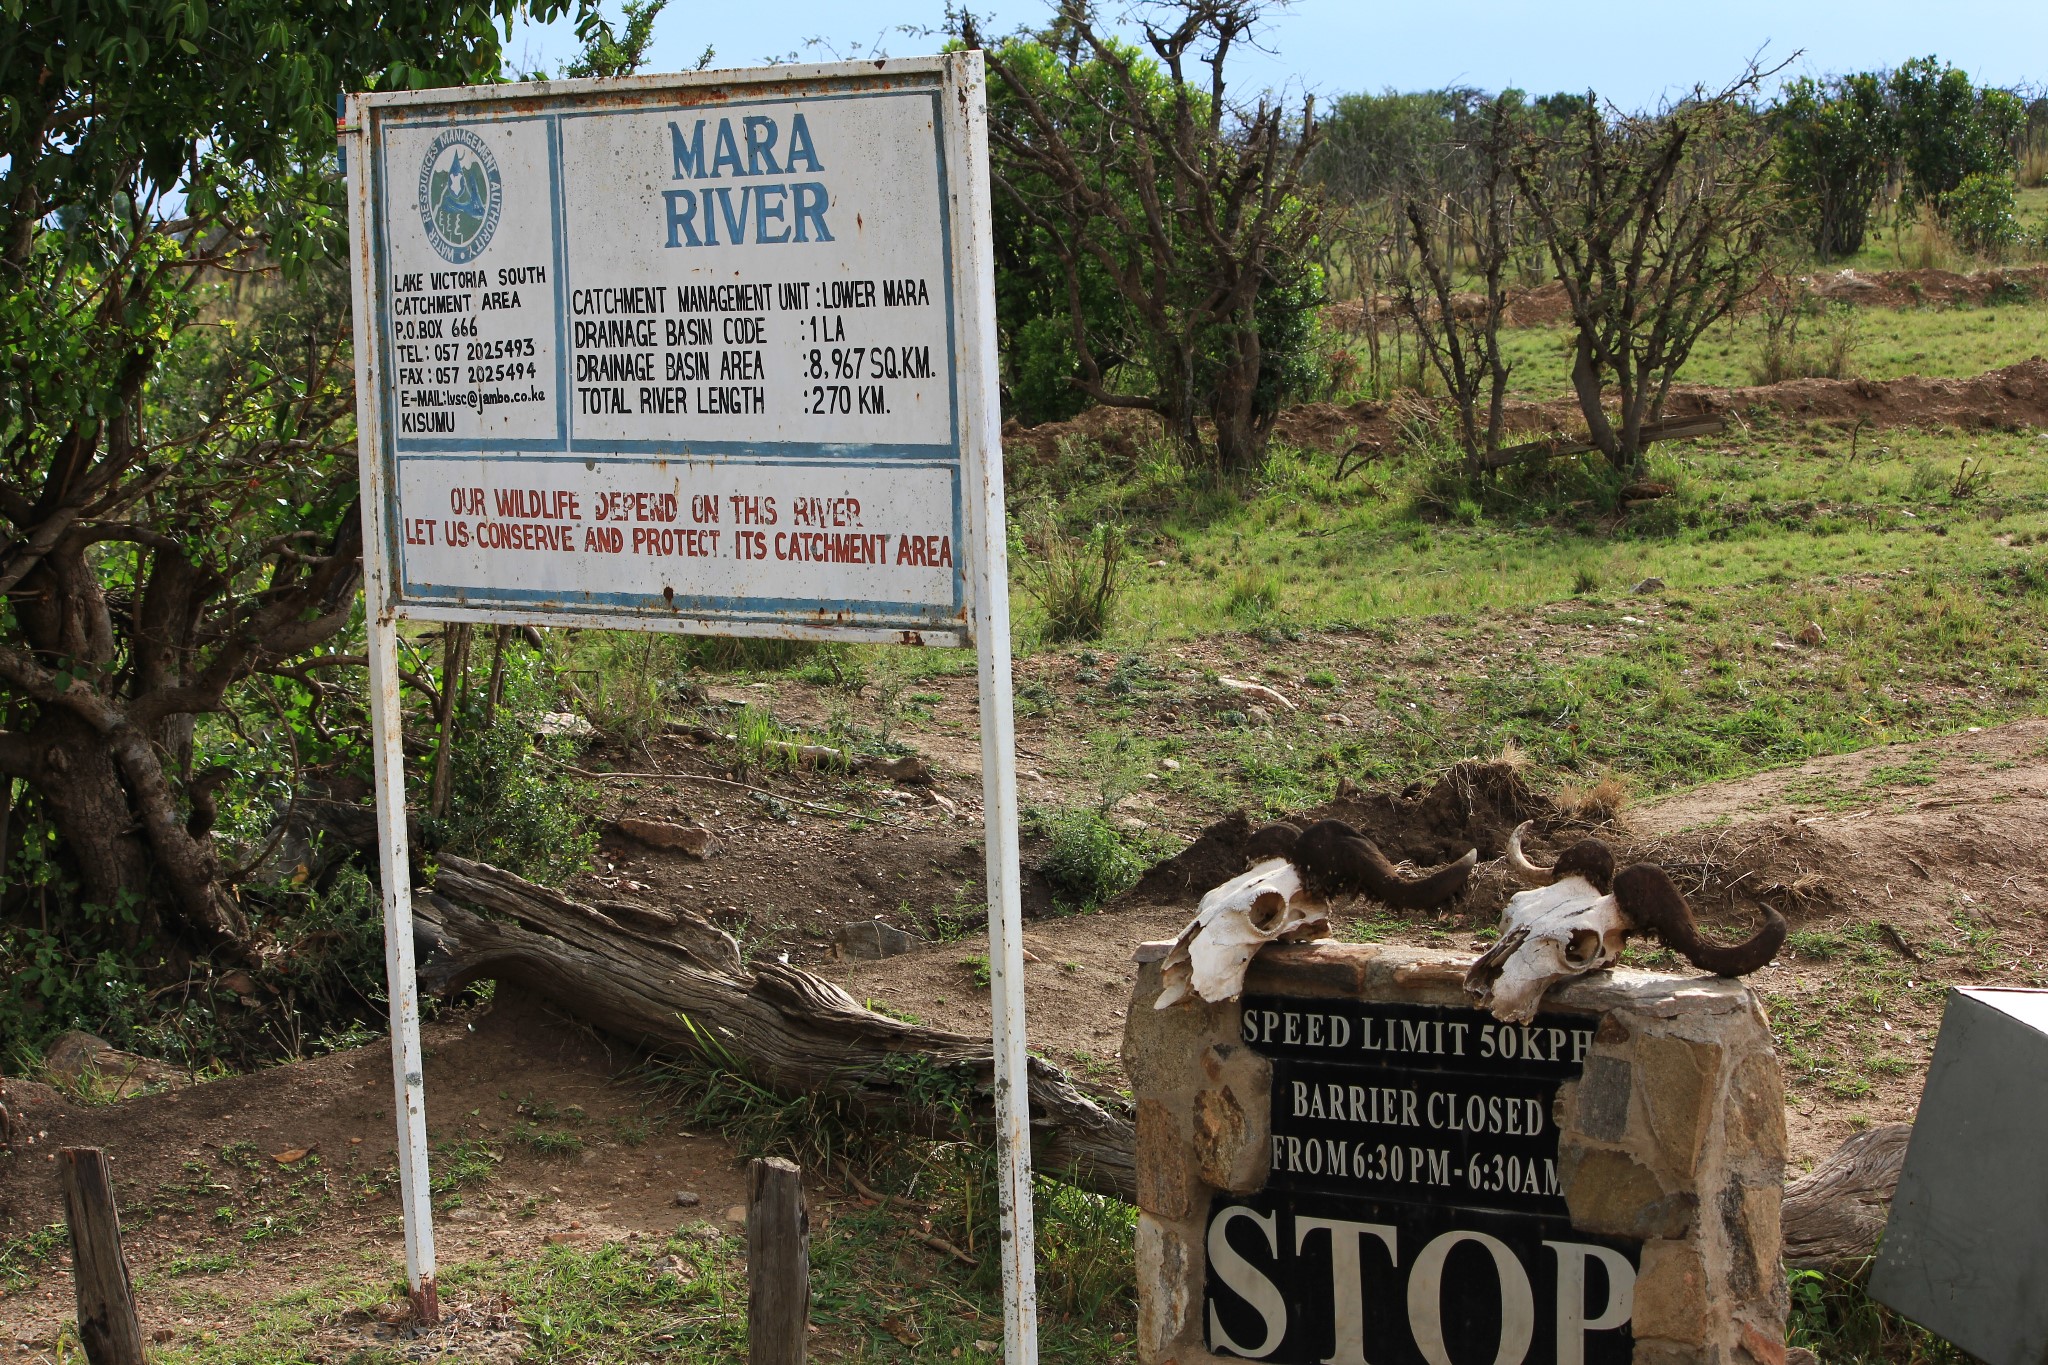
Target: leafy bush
(513,804)
(1089,860)
(1074,580)
(1836,141)
(1980,212)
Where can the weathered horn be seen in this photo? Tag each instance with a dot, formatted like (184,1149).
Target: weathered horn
(1654,905)
(1274,841)
(1335,858)
(1518,861)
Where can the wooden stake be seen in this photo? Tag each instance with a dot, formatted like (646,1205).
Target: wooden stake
(107,1324)
(778,1264)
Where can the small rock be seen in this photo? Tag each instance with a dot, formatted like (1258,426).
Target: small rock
(1168,717)
(736,1214)
(909,768)
(1338,719)
(688,1199)
(870,940)
(692,841)
(1258,715)
(1782,646)
(564,723)
(1171,765)
(1812,636)
(1647,586)
(76,1056)
(1133,823)
(463,1215)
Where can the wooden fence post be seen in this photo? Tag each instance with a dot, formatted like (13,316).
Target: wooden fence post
(778,1264)
(107,1324)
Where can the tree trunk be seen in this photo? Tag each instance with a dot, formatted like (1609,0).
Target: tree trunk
(672,982)
(82,791)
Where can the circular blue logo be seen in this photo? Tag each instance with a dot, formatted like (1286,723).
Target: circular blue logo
(460,196)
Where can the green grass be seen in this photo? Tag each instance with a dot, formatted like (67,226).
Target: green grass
(1888,343)
(1519,625)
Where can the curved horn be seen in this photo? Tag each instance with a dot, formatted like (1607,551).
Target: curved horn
(1518,861)
(1274,841)
(1333,857)
(1654,905)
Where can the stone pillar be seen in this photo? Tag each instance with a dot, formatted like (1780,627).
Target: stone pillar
(1666,1109)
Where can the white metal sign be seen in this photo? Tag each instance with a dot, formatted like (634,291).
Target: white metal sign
(683,352)
(708,353)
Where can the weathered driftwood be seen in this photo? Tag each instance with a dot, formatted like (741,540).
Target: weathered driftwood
(1834,1214)
(683,989)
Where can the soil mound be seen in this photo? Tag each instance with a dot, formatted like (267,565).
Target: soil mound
(1918,288)
(2006,399)
(1473,805)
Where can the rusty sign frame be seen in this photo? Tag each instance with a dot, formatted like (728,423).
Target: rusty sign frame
(981,575)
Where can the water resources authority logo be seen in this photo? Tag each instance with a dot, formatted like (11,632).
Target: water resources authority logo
(460,196)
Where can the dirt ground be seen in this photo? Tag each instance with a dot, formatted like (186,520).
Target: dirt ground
(291,1171)
(1999,400)
(1903,870)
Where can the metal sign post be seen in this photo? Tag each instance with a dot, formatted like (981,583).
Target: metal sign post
(711,353)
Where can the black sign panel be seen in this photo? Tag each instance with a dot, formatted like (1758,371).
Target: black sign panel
(1293,1279)
(1413,1212)
(1488,1141)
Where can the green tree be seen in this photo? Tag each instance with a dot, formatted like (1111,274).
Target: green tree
(1837,142)
(1160,196)
(1950,130)
(177,489)
(1656,225)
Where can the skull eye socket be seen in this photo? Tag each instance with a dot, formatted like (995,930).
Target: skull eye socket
(1266,910)
(1582,947)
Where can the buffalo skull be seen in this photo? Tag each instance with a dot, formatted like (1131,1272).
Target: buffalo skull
(1285,898)
(1576,917)
(1268,904)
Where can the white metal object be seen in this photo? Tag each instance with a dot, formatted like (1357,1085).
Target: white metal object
(966,113)
(544,277)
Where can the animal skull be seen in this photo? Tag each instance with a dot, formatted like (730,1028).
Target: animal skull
(1547,934)
(1576,918)
(1268,904)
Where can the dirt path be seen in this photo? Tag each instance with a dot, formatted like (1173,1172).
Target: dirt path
(240,1190)
(1904,870)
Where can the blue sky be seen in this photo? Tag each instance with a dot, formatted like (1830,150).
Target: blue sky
(1631,51)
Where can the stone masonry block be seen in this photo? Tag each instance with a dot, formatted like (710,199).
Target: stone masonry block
(1171,1267)
(1232,1119)
(1166,1174)
(1749,1217)
(1603,1098)
(1755,1114)
(1610,1193)
(1677,1082)
(1671,1296)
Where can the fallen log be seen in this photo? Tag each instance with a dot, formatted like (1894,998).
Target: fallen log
(682,990)
(1835,1213)
(1676,429)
